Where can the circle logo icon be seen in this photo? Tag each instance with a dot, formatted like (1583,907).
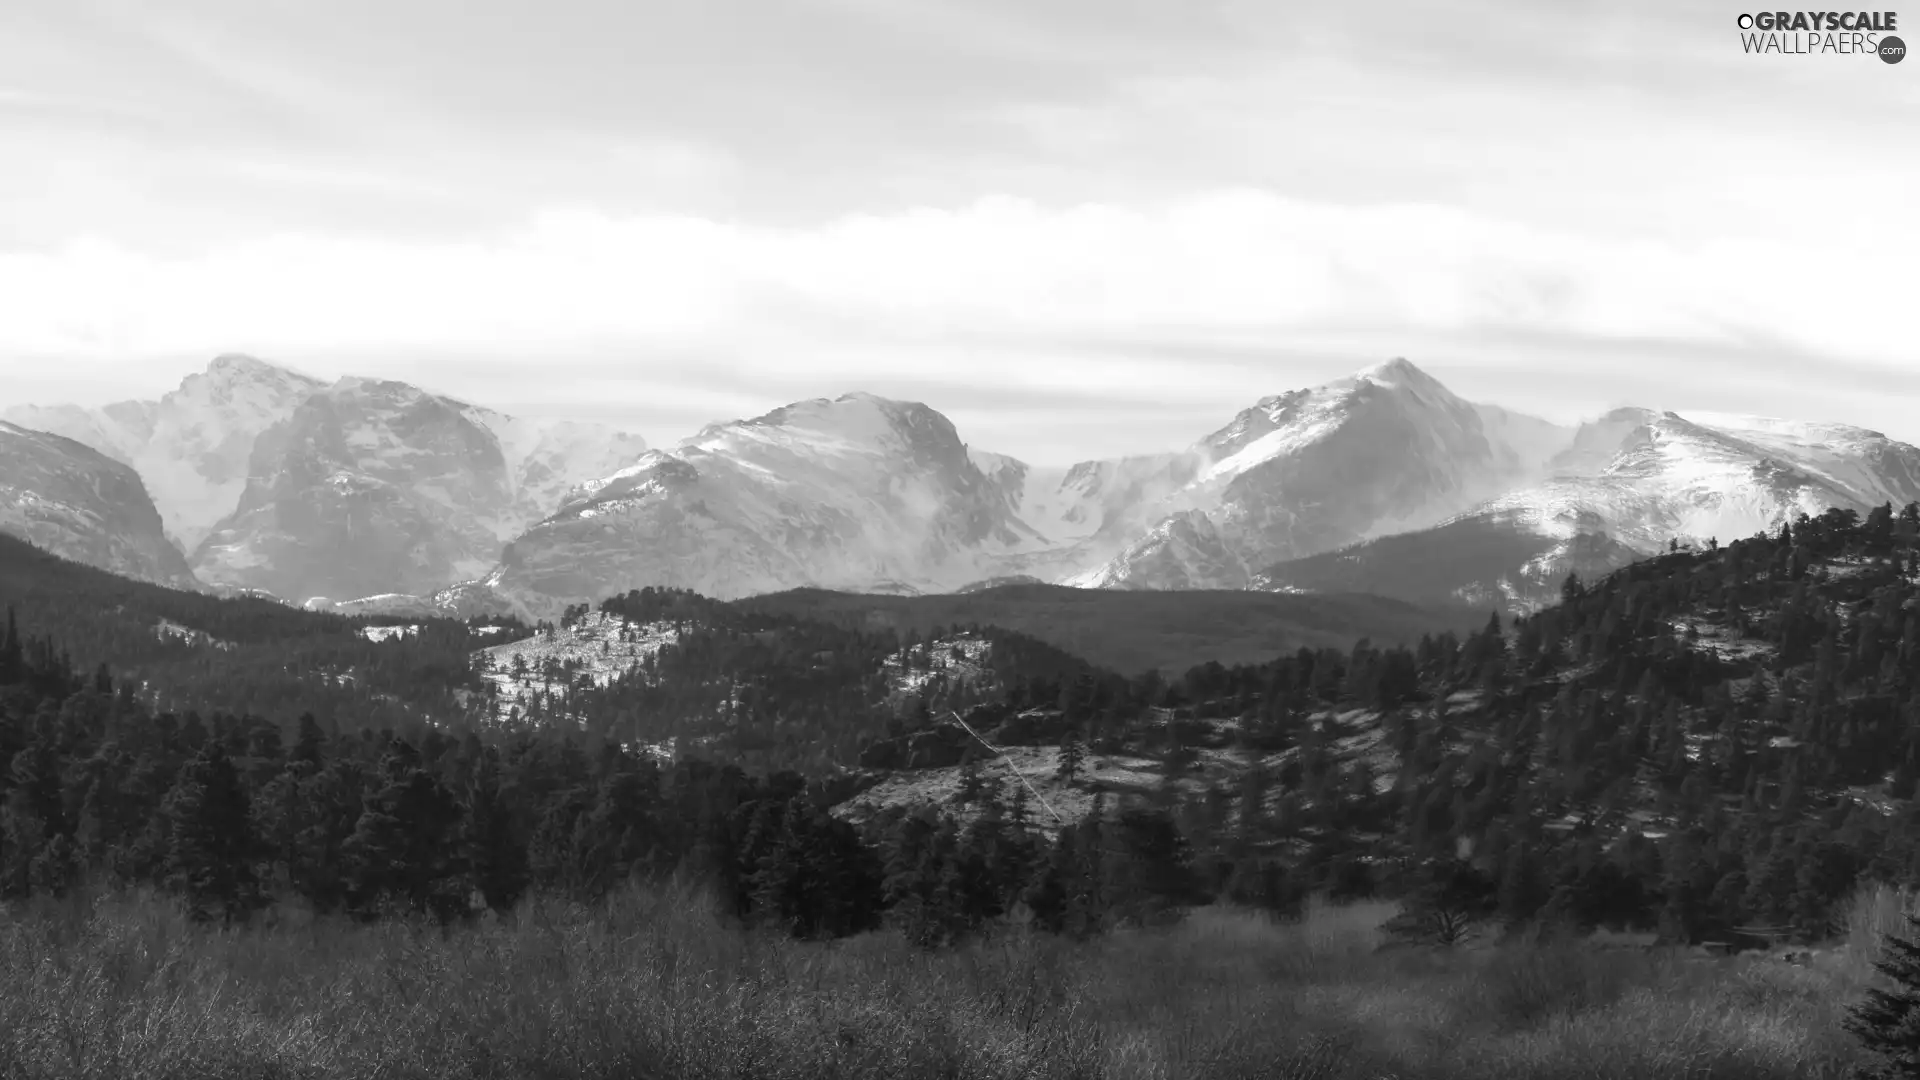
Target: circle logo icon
(1892,49)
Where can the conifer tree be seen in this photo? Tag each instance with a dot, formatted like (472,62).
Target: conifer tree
(1073,755)
(211,854)
(403,848)
(495,855)
(1887,1022)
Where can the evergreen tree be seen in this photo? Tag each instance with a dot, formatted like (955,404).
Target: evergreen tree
(1887,1022)
(492,847)
(404,848)
(210,857)
(1073,754)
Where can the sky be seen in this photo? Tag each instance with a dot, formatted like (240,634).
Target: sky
(1077,227)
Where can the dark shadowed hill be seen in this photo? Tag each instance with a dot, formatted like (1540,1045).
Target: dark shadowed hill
(196,650)
(1494,560)
(1133,631)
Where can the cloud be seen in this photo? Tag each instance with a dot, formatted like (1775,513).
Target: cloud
(1244,262)
(691,211)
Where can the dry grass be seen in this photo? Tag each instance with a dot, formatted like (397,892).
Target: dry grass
(651,986)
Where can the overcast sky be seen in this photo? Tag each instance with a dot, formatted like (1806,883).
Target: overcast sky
(1077,227)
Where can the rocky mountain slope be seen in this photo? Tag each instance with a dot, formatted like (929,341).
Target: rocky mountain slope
(371,486)
(277,481)
(1383,451)
(841,493)
(192,446)
(393,500)
(1629,485)
(76,502)
(861,491)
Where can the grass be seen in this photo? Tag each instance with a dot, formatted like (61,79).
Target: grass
(650,985)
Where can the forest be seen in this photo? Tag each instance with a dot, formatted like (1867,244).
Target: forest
(1714,745)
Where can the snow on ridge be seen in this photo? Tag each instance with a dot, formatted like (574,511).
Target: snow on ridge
(388,633)
(168,629)
(959,657)
(851,425)
(1319,416)
(599,646)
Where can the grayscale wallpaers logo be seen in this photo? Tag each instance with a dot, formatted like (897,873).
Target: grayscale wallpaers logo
(1822,33)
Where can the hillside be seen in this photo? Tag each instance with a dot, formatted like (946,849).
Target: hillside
(1480,558)
(671,671)
(1133,631)
(1713,739)
(193,650)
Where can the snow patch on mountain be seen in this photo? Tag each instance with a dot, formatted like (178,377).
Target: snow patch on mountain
(1386,450)
(597,648)
(168,630)
(1627,485)
(1866,464)
(843,493)
(1646,478)
(959,658)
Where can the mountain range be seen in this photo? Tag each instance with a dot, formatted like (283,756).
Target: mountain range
(375,495)
(267,480)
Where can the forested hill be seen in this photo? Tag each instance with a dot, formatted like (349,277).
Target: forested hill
(1129,630)
(1708,740)
(192,650)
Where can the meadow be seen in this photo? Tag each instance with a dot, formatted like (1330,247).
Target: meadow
(650,984)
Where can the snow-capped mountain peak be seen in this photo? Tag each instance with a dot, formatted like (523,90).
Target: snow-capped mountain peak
(845,492)
(1630,483)
(858,489)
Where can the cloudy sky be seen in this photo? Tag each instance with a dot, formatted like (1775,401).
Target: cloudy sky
(1076,226)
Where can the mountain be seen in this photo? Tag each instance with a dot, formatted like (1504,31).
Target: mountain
(75,501)
(841,493)
(1630,484)
(192,446)
(372,486)
(387,498)
(861,492)
(1383,451)
(364,485)
(1184,551)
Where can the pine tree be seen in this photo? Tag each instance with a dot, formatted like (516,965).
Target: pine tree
(12,655)
(404,846)
(495,855)
(972,784)
(309,743)
(1888,1021)
(1449,903)
(211,854)
(1073,755)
